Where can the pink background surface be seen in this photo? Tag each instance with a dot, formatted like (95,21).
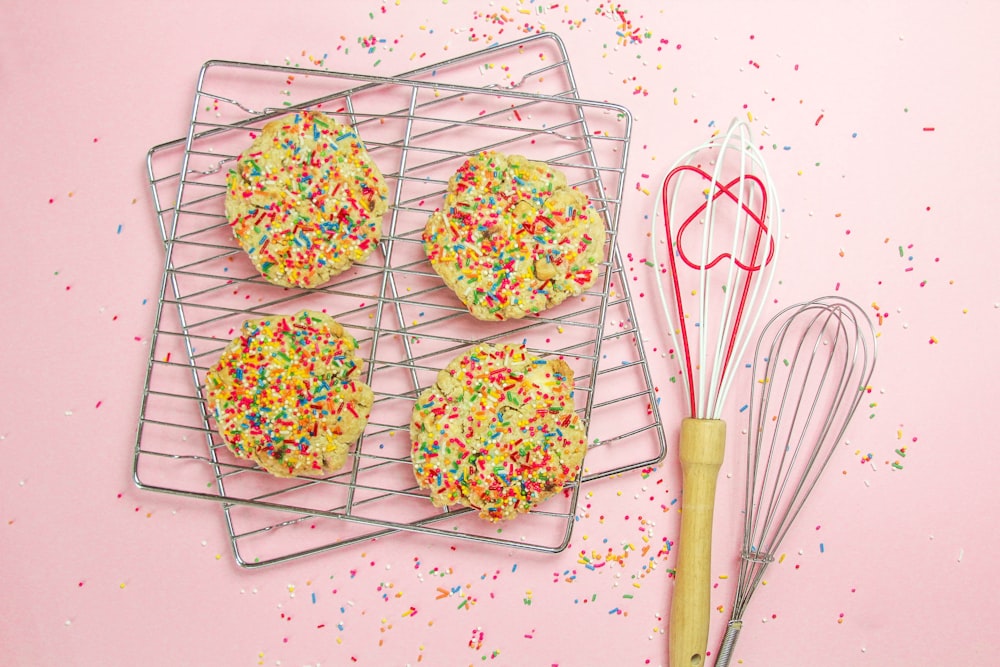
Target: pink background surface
(876,127)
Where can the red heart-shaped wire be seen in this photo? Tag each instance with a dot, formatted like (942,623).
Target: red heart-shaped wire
(720,189)
(675,249)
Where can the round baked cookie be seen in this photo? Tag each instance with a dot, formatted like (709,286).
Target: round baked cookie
(497,431)
(287,393)
(512,238)
(305,200)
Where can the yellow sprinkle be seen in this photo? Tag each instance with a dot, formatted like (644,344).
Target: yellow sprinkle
(750,116)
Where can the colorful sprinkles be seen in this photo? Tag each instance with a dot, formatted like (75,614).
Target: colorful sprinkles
(497,431)
(513,238)
(306,201)
(287,393)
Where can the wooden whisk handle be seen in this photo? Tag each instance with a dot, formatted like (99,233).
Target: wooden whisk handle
(702,447)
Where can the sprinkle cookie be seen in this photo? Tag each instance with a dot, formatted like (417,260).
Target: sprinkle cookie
(306,201)
(497,431)
(287,393)
(512,238)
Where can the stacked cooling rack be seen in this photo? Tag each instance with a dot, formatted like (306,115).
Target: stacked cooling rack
(519,97)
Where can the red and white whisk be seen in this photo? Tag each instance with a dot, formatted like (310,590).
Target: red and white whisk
(722,223)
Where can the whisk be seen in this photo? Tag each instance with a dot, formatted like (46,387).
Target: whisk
(811,368)
(722,227)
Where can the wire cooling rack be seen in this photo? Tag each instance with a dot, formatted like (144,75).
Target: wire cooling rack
(419,127)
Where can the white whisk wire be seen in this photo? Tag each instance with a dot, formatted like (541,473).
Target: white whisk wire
(719,346)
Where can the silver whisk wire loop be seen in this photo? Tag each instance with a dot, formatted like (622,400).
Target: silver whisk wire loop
(812,366)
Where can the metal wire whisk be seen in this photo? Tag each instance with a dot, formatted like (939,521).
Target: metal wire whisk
(722,223)
(812,366)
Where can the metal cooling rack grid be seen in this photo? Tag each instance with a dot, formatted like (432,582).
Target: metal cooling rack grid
(395,305)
